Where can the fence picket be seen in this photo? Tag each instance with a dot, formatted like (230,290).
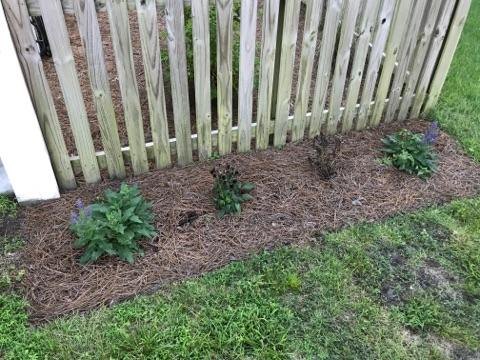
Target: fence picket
(67,75)
(68,5)
(267,66)
(92,43)
(366,30)
(397,33)
(341,64)
(313,15)
(402,51)
(246,78)
(201,65)
(435,48)
(419,60)
(147,22)
(404,58)
(178,77)
(376,55)
(330,29)
(122,47)
(19,22)
(446,58)
(284,91)
(224,74)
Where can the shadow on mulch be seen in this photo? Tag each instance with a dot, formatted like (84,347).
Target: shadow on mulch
(290,204)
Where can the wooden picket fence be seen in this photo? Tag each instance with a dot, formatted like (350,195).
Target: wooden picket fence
(359,62)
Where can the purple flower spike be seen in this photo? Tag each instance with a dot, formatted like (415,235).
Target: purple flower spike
(432,133)
(79,204)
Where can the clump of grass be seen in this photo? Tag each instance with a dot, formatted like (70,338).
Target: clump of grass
(421,314)
(8,207)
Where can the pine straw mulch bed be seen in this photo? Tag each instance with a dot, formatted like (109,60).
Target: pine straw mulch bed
(291,204)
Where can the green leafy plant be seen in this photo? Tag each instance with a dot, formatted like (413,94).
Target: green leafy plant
(8,207)
(411,152)
(229,193)
(113,225)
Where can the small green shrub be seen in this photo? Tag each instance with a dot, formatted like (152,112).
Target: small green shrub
(229,193)
(113,225)
(412,152)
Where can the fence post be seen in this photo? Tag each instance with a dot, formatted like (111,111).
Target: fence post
(22,148)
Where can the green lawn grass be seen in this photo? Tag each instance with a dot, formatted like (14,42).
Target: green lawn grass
(401,289)
(408,288)
(458,110)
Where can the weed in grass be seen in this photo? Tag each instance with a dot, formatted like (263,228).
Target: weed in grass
(421,313)
(10,245)
(10,275)
(8,207)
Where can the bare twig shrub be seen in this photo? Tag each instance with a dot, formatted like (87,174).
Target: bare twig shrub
(326,150)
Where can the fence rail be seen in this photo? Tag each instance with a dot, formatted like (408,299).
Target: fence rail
(224,75)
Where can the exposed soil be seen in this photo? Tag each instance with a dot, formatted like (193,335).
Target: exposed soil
(290,204)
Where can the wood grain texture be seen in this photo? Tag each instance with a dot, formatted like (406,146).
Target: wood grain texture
(32,67)
(122,47)
(330,29)
(201,65)
(278,55)
(451,43)
(67,75)
(341,64)
(284,91)
(267,68)
(398,32)
(147,22)
(404,59)
(436,46)
(224,74)
(149,146)
(248,27)
(366,32)
(68,5)
(92,43)
(313,15)
(380,38)
(175,21)
(419,59)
